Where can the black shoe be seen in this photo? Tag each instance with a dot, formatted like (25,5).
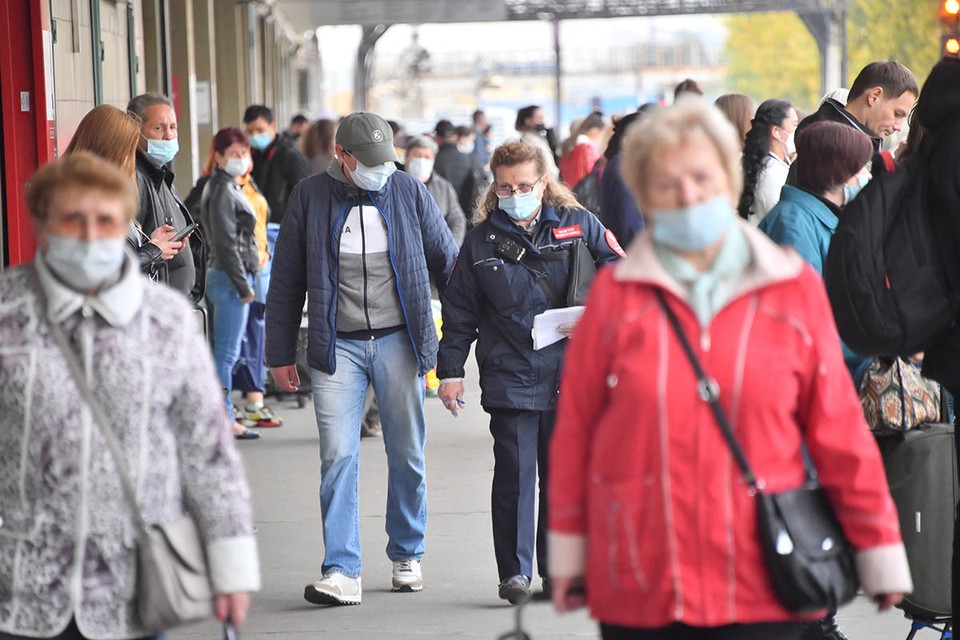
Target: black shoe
(515,589)
(824,629)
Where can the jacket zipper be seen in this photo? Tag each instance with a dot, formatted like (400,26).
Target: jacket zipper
(335,277)
(363,262)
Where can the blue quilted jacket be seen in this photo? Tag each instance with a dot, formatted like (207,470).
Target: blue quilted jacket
(307,259)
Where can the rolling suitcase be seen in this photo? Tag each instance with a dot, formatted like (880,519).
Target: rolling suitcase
(921,470)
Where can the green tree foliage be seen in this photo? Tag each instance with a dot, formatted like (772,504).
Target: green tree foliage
(773,55)
(906,30)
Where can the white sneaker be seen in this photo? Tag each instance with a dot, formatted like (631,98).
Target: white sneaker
(407,576)
(334,588)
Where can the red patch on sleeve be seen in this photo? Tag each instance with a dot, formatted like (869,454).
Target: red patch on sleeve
(612,242)
(565,233)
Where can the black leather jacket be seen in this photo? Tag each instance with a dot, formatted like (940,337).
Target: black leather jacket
(161,204)
(229,222)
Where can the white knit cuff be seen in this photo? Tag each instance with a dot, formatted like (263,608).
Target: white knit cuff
(449,380)
(568,554)
(884,570)
(234,565)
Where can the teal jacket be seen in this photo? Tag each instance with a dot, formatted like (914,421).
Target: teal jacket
(806,223)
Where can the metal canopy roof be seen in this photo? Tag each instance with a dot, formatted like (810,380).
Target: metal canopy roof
(306,14)
(578,9)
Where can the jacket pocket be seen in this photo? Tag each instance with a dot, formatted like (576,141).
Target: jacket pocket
(500,284)
(621,533)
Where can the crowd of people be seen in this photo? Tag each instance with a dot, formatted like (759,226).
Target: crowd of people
(613,482)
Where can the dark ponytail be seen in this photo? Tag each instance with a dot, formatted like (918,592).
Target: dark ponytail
(770,113)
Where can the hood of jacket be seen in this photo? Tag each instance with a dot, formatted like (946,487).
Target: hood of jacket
(940,97)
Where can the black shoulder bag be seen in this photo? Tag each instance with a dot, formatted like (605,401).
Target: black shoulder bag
(809,559)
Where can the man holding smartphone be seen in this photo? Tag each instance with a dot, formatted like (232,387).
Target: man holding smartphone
(160,204)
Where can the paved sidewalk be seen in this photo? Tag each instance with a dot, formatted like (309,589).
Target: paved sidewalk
(460,597)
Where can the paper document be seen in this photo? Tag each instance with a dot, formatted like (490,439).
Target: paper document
(546,324)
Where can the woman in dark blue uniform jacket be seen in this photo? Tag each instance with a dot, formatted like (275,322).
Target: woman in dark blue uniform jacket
(492,297)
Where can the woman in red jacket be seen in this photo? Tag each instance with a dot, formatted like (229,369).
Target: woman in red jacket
(647,511)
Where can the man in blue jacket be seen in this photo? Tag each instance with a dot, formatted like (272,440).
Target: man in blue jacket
(362,240)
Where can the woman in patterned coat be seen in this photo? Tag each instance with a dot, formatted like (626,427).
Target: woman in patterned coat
(67,536)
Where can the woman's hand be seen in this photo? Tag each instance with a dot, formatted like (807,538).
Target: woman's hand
(248,299)
(568,594)
(885,601)
(162,237)
(451,394)
(233,607)
(566,329)
(286,378)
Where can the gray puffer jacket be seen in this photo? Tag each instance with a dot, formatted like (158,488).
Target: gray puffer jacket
(229,222)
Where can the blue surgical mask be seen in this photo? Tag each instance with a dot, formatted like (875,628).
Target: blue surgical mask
(850,191)
(372,178)
(162,151)
(694,228)
(260,141)
(83,265)
(520,207)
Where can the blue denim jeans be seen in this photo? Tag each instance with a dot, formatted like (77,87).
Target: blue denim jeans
(229,321)
(390,365)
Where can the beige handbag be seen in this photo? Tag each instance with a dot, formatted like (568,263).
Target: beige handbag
(173,584)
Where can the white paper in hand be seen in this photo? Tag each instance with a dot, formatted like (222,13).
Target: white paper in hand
(546,325)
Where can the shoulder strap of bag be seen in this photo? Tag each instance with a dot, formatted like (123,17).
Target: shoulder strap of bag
(100,418)
(709,392)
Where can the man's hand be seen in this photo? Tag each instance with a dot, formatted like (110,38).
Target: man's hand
(451,395)
(233,607)
(885,601)
(568,594)
(162,237)
(286,378)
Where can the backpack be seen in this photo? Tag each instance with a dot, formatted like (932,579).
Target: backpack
(883,273)
(588,189)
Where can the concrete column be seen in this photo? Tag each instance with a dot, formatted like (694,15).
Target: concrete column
(156,62)
(183,66)
(230,57)
(204,22)
(829,32)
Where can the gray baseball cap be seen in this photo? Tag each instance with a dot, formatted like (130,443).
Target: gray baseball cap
(368,138)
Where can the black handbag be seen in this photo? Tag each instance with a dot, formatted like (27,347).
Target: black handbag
(808,557)
(583,268)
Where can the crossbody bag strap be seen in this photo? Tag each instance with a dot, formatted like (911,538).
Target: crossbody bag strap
(100,418)
(709,392)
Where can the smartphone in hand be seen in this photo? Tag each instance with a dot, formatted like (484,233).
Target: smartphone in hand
(183,233)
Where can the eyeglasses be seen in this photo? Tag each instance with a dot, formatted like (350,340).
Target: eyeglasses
(521,190)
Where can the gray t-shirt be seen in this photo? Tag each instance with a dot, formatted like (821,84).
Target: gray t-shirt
(368,298)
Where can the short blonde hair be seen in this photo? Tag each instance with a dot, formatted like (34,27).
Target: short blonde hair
(510,154)
(79,169)
(671,128)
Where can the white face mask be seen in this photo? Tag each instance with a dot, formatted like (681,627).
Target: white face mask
(83,265)
(790,143)
(420,168)
(466,147)
(237,167)
(372,178)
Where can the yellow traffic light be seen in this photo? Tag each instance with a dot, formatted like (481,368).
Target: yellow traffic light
(951,46)
(950,8)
